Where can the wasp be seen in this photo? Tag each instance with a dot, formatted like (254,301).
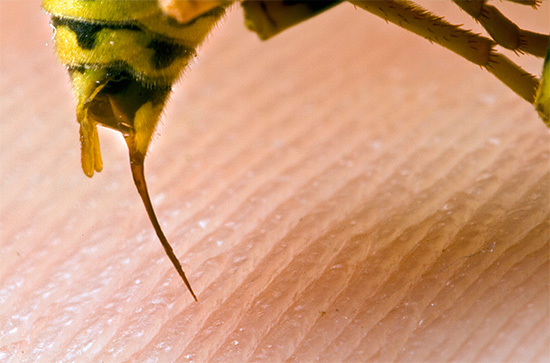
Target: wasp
(123,57)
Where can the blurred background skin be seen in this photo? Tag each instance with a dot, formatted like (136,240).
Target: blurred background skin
(343,192)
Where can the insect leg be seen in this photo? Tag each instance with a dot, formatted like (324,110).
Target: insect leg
(503,30)
(542,101)
(473,47)
(270,17)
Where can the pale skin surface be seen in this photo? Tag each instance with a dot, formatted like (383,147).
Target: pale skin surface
(343,192)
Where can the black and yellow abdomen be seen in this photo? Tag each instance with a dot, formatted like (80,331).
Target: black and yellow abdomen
(123,57)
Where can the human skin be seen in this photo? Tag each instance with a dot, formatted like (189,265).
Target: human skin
(345,191)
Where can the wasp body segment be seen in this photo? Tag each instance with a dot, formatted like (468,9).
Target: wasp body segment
(123,57)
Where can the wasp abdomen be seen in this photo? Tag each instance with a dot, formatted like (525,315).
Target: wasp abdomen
(123,57)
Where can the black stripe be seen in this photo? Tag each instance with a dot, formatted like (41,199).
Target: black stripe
(313,6)
(115,69)
(165,53)
(86,30)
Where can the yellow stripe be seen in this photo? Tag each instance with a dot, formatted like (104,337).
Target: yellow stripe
(116,47)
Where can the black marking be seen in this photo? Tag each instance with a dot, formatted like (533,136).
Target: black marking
(313,6)
(119,79)
(120,67)
(80,68)
(129,95)
(267,14)
(86,30)
(165,52)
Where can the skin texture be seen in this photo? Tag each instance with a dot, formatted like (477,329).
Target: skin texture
(343,192)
